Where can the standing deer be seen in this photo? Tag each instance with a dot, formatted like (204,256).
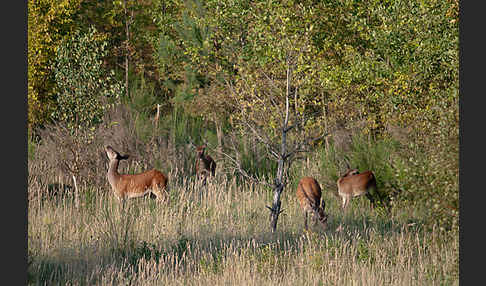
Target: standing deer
(205,165)
(132,186)
(353,184)
(309,196)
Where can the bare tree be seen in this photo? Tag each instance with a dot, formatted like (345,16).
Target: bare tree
(70,152)
(285,145)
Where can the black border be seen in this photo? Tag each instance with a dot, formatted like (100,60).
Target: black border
(14,141)
(15,77)
(471,193)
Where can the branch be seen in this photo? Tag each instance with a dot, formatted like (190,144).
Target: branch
(272,82)
(272,210)
(266,141)
(300,121)
(301,146)
(287,95)
(287,129)
(240,169)
(66,165)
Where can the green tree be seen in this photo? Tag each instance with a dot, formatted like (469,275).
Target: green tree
(49,22)
(83,84)
(85,89)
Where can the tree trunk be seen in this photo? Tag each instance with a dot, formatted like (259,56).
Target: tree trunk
(278,185)
(275,210)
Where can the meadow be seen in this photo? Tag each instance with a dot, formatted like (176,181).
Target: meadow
(219,234)
(315,87)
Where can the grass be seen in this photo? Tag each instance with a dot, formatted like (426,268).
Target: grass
(220,235)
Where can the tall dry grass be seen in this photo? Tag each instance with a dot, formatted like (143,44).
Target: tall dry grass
(220,235)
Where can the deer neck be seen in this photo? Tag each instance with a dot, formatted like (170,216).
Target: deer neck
(201,156)
(113,174)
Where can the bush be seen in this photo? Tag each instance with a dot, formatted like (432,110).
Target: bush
(407,174)
(363,154)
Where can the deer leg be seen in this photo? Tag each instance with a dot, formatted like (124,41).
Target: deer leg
(372,200)
(345,202)
(213,169)
(203,177)
(305,220)
(123,202)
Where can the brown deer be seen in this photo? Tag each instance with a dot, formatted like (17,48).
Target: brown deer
(132,186)
(351,172)
(309,196)
(205,165)
(353,184)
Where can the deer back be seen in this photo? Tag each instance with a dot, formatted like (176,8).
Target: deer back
(309,194)
(132,184)
(356,185)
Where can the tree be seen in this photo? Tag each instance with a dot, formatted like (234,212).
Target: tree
(85,90)
(273,93)
(279,127)
(83,85)
(197,53)
(49,22)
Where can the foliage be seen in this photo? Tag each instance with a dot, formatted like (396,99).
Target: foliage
(49,22)
(364,154)
(279,42)
(407,175)
(386,69)
(396,59)
(186,58)
(82,83)
(431,178)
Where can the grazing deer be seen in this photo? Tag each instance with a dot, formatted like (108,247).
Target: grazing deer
(205,165)
(309,196)
(353,184)
(132,186)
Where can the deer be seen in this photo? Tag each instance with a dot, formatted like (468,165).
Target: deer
(309,196)
(133,186)
(351,172)
(205,165)
(353,184)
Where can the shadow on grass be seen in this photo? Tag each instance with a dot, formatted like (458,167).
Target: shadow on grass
(349,225)
(186,254)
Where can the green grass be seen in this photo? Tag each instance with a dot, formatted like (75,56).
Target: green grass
(220,235)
